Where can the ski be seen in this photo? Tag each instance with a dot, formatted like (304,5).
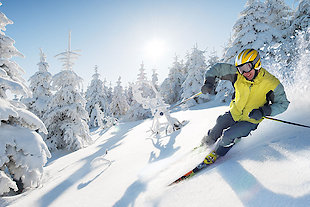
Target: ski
(191,173)
(210,159)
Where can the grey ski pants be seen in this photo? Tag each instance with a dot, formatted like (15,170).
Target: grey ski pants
(228,130)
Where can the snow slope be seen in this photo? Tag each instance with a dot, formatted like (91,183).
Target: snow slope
(269,168)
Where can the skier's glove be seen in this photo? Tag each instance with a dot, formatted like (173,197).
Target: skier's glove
(206,89)
(208,86)
(259,113)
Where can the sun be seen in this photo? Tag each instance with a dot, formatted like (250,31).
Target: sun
(155,48)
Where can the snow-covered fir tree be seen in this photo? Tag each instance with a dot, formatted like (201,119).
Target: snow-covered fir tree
(171,88)
(278,54)
(281,57)
(301,19)
(128,93)
(98,116)
(119,105)
(136,110)
(252,30)
(131,101)
(147,90)
(66,119)
(109,91)
(22,151)
(212,58)
(40,87)
(280,15)
(155,78)
(142,73)
(95,94)
(196,67)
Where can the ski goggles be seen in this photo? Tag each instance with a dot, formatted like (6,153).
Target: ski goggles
(245,68)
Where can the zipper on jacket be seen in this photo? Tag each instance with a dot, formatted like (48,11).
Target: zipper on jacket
(246,100)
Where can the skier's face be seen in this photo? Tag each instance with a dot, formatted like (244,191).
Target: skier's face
(247,70)
(249,75)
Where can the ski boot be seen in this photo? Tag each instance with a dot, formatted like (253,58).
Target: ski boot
(210,158)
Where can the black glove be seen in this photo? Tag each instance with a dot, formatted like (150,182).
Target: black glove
(259,113)
(206,89)
(208,86)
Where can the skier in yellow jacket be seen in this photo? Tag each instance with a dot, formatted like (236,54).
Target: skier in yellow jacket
(257,94)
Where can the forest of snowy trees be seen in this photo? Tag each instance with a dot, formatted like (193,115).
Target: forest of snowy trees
(53,113)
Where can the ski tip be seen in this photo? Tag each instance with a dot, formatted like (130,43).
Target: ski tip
(171,184)
(184,177)
(175,182)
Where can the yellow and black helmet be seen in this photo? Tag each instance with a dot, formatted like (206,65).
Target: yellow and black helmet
(249,56)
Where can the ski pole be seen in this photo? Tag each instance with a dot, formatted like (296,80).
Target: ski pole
(182,102)
(286,122)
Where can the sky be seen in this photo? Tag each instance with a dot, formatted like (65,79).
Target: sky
(118,36)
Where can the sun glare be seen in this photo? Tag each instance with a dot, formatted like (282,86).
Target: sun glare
(155,48)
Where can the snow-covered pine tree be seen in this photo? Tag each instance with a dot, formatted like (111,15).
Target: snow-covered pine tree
(99,116)
(136,110)
(128,94)
(280,15)
(147,90)
(119,105)
(95,94)
(227,46)
(155,78)
(40,87)
(301,19)
(171,88)
(280,57)
(196,67)
(109,94)
(212,58)
(292,51)
(22,151)
(66,119)
(252,30)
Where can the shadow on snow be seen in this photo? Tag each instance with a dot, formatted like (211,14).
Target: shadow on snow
(165,150)
(131,194)
(136,188)
(111,143)
(249,189)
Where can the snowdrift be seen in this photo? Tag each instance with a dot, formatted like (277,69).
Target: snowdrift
(268,168)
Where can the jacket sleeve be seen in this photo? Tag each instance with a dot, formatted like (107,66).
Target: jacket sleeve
(279,101)
(223,71)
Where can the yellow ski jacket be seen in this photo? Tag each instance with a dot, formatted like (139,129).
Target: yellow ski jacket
(249,95)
